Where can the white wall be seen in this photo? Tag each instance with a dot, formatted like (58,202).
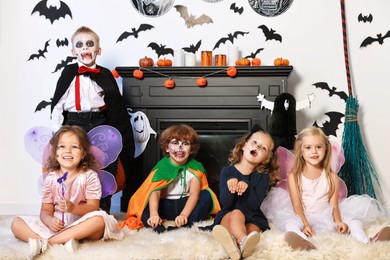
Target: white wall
(312,41)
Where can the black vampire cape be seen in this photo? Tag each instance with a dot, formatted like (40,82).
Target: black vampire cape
(117,117)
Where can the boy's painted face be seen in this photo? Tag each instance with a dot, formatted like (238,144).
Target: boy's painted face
(86,49)
(258,148)
(313,149)
(179,151)
(69,152)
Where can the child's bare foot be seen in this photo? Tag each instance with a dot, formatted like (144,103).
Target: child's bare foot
(382,235)
(223,236)
(296,242)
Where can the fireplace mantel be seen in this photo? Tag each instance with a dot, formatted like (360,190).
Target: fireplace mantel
(226,106)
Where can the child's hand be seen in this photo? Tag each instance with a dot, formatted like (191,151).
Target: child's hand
(241,187)
(181,220)
(308,231)
(55,224)
(342,228)
(154,221)
(66,206)
(232,185)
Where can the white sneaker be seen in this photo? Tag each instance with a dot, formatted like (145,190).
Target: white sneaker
(248,243)
(37,246)
(72,245)
(222,235)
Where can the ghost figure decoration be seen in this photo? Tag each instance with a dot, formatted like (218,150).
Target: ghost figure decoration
(141,131)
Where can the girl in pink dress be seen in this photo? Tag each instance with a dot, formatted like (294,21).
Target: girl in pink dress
(311,205)
(70,199)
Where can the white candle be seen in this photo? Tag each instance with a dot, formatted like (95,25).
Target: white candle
(190,59)
(178,57)
(232,55)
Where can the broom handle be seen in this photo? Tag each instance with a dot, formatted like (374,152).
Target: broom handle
(346,58)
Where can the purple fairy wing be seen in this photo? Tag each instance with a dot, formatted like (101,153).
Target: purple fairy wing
(338,158)
(40,182)
(36,141)
(107,180)
(108,140)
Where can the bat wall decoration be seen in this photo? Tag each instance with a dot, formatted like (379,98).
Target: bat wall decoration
(191,20)
(160,49)
(236,9)
(193,48)
(365,18)
(270,33)
(332,91)
(63,63)
(41,53)
(330,127)
(52,13)
(253,54)
(135,32)
(379,38)
(62,42)
(43,104)
(231,37)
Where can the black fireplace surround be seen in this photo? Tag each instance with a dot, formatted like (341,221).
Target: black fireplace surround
(220,112)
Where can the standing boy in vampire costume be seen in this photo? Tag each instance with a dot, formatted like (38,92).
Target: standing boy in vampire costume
(87,95)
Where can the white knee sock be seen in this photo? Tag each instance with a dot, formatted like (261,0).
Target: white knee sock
(357,231)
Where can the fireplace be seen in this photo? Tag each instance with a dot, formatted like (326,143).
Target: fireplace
(221,112)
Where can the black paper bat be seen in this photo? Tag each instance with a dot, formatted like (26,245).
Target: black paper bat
(230,38)
(330,127)
(134,32)
(63,63)
(191,20)
(270,33)
(253,54)
(332,91)
(52,13)
(160,49)
(365,18)
(236,9)
(193,48)
(379,39)
(41,53)
(43,104)
(62,42)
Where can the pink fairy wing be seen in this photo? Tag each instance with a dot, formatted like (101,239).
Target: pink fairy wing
(285,161)
(108,140)
(36,141)
(343,190)
(338,158)
(107,180)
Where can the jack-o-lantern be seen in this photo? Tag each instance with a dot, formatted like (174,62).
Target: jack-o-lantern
(243,62)
(164,63)
(201,82)
(138,74)
(169,83)
(145,62)
(256,62)
(281,62)
(231,71)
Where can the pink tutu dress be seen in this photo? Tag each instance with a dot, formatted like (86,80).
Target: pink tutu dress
(86,185)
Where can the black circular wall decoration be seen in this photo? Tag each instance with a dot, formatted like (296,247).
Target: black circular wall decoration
(270,7)
(152,8)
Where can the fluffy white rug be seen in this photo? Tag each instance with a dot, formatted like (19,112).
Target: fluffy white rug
(195,244)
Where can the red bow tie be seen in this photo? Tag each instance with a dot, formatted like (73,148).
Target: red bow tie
(84,69)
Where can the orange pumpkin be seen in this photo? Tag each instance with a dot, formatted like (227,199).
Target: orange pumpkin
(256,62)
(138,74)
(115,73)
(281,62)
(145,62)
(243,62)
(164,63)
(169,83)
(201,82)
(231,71)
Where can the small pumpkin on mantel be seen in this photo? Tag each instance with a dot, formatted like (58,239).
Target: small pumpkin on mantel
(281,62)
(146,62)
(243,62)
(201,82)
(256,62)
(169,83)
(138,74)
(164,63)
